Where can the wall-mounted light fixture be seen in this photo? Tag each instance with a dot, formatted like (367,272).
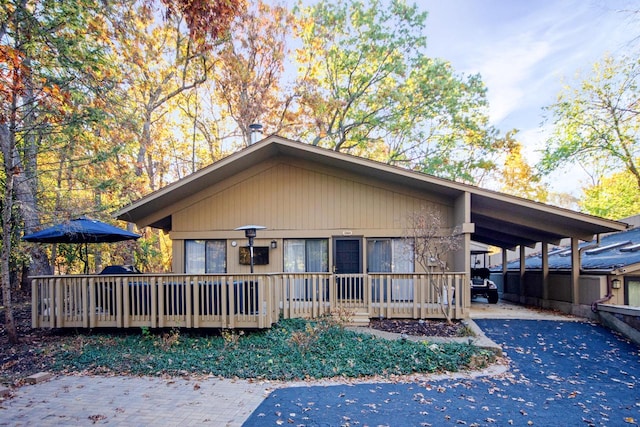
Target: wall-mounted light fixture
(274,244)
(616,283)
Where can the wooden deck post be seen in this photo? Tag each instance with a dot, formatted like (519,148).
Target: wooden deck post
(196,300)
(224,303)
(57,305)
(153,284)
(87,304)
(161,303)
(188,306)
(35,306)
(92,302)
(261,295)
(123,313)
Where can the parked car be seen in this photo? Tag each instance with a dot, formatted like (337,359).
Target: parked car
(482,286)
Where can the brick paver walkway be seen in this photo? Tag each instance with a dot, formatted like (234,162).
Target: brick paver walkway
(133,401)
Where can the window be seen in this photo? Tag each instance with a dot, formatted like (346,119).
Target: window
(305,256)
(633,292)
(205,256)
(390,256)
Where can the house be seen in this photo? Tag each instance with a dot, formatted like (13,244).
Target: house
(333,233)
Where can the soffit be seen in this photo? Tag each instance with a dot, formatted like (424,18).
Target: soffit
(507,222)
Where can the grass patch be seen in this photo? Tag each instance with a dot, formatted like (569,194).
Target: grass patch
(291,349)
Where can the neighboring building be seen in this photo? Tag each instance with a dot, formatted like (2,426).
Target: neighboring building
(614,257)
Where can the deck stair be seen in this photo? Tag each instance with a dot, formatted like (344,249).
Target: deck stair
(358,318)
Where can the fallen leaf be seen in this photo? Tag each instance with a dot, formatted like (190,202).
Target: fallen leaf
(95,418)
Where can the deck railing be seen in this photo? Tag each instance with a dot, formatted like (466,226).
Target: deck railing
(238,301)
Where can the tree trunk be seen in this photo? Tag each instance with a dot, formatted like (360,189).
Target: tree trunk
(7,206)
(26,183)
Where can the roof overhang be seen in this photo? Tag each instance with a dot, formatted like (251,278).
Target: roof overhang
(500,220)
(509,221)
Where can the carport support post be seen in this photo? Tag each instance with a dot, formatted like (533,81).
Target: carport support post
(505,260)
(523,269)
(575,273)
(545,274)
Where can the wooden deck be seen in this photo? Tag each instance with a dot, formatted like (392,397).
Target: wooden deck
(237,301)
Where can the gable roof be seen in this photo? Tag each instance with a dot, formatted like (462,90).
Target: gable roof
(500,219)
(616,252)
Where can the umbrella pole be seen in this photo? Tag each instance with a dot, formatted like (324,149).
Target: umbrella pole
(86,258)
(54,255)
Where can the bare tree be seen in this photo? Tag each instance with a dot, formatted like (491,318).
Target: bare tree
(432,243)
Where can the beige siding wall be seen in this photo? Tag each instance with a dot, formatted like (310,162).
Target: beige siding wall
(295,199)
(592,288)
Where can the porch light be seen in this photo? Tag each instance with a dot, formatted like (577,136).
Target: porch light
(250,232)
(615,283)
(274,244)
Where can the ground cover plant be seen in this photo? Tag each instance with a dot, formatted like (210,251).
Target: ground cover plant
(292,349)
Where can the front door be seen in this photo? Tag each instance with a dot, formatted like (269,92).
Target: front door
(347,264)
(346,256)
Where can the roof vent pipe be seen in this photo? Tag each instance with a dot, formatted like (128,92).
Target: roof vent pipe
(256,132)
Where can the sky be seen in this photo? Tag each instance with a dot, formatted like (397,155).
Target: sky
(525,51)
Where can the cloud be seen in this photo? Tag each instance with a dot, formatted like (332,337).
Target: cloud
(507,69)
(523,51)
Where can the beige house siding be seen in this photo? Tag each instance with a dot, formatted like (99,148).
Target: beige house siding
(592,288)
(296,199)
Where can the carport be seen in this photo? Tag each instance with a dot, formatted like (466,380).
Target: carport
(513,223)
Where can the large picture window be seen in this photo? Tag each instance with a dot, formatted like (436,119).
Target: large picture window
(390,256)
(205,256)
(306,255)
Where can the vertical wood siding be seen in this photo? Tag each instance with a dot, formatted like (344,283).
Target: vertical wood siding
(297,197)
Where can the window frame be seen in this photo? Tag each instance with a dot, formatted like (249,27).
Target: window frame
(206,243)
(324,262)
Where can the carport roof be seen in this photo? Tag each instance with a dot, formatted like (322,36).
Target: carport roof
(500,219)
(615,252)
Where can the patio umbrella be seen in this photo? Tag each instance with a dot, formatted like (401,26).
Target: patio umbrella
(81,230)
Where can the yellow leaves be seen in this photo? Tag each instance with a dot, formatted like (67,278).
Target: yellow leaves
(518,177)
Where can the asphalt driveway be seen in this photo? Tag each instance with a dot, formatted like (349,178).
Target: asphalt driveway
(561,373)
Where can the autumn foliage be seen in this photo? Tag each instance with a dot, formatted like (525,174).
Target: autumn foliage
(207,19)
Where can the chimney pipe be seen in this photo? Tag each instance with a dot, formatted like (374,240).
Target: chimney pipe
(256,132)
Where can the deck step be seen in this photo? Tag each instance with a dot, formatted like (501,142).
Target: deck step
(359,319)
